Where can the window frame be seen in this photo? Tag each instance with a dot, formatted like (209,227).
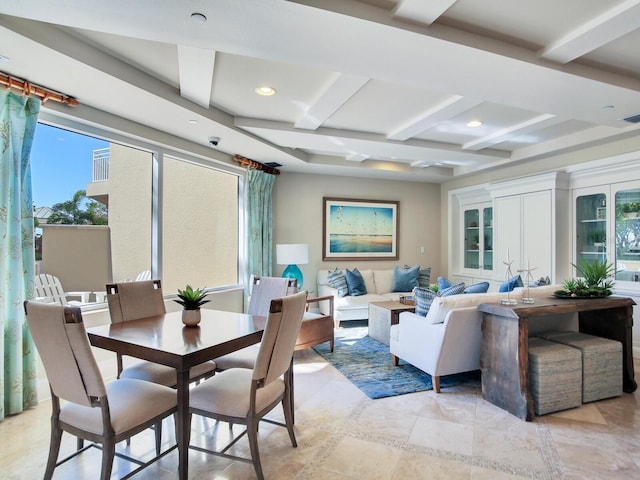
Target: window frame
(186,151)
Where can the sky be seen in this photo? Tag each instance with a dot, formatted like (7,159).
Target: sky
(61,164)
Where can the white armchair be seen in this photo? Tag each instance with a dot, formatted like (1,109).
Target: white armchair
(439,349)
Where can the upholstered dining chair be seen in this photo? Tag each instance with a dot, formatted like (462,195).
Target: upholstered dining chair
(316,328)
(102,414)
(131,301)
(243,396)
(263,290)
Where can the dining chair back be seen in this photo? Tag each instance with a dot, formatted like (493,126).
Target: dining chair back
(265,289)
(243,396)
(134,300)
(105,414)
(279,338)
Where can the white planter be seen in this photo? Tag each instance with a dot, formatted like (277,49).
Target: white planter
(191,318)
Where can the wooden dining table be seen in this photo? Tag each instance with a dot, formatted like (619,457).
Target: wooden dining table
(165,340)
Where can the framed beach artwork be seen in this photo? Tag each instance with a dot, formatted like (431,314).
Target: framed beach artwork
(359,229)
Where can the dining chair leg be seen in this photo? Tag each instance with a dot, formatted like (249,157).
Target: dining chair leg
(54,449)
(108,453)
(252,435)
(158,431)
(79,443)
(288,419)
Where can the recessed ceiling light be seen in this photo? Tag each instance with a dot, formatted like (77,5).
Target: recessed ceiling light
(608,107)
(193,122)
(3,59)
(474,123)
(198,18)
(265,91)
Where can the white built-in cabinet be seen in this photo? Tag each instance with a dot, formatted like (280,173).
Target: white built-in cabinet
(606,225)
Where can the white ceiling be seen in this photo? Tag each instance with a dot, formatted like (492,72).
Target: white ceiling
(374,88)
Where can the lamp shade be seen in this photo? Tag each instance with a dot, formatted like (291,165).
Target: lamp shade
(292,254)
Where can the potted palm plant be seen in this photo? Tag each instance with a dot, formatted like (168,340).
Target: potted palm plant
(595,282)
(191,300)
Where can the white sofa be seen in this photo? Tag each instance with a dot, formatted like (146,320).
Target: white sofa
(448,340)
(378,283)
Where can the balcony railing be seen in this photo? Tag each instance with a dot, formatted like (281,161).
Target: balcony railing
(101,164)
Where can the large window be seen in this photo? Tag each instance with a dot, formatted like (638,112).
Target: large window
(199,225)
(190,208)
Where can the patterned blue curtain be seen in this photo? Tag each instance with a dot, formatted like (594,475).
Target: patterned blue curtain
(18,382)
(260,227)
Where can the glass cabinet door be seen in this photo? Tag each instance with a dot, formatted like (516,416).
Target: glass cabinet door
(472,238)
(627,235)
(591,227)
(478,238)
(487,238)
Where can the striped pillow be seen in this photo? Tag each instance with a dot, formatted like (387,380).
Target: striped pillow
(337,280)
(452,290)
(424,277)
(424,297)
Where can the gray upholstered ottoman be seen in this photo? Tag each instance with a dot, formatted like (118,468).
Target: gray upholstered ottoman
(555,376)
(601,363)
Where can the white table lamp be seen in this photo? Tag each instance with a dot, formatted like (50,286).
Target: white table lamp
(292,255)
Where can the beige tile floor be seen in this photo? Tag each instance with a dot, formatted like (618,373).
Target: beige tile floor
(344,435)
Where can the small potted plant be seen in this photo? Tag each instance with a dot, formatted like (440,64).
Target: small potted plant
(191,300)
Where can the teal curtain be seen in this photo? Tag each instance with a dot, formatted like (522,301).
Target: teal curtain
(259,222)
(18,382)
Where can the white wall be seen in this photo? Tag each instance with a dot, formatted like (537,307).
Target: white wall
(298,219)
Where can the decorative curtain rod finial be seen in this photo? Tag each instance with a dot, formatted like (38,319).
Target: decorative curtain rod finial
(28,89)
(247,162)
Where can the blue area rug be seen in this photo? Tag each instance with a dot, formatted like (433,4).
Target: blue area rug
(367,364)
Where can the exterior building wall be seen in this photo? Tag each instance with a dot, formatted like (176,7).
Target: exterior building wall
(129,189)
(79,255)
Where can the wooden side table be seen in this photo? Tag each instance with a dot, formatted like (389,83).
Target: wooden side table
(384,314)
(504,359)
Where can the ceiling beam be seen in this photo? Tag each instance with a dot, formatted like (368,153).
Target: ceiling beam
(419,11)
(595,33)
(196,74)
(450,107)
(338,92)
(504,134)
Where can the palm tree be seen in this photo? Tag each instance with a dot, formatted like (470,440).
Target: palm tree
(96,213)
(71,212)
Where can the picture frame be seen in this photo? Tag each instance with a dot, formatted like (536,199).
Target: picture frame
(354,229)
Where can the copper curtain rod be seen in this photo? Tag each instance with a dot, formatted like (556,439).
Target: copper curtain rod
(246,162)
(27,89)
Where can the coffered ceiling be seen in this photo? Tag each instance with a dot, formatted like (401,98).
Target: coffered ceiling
(375,88)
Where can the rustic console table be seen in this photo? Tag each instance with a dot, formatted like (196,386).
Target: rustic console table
(504,359)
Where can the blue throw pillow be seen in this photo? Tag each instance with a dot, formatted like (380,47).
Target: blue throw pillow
(337,280)
(444,283)
(424,298)
(424,277)
(510,284)
(481,287)
(452,290)
(404,279)
(355,282)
